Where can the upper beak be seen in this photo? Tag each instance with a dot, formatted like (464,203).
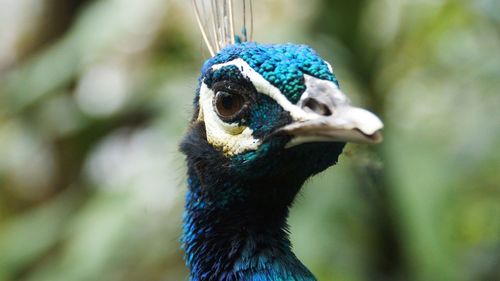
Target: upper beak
(328,116)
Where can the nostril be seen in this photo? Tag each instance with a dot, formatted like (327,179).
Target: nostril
(317,107)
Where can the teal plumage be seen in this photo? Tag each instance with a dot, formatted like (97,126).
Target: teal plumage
(266,118)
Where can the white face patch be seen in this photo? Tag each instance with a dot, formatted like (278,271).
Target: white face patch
(230,137)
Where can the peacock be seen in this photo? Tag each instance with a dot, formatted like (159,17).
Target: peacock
(266,118)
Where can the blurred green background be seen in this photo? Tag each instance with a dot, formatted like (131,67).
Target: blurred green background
(95,96)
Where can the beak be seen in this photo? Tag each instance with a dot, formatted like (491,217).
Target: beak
(328,116)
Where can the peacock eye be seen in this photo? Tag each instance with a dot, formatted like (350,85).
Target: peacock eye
(228,105)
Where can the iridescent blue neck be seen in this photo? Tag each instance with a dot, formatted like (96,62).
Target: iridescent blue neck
(233,235)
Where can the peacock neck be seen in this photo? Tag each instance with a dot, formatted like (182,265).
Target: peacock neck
(241,233)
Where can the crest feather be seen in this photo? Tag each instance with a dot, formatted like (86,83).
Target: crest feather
(217,20)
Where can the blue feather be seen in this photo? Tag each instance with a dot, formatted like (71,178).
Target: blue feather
(237,206)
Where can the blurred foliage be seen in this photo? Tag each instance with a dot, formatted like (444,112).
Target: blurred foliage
(95,96)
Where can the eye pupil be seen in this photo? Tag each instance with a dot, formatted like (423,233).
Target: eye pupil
(227,101)
(228,104)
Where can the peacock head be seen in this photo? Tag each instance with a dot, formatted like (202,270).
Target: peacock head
(273,111)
